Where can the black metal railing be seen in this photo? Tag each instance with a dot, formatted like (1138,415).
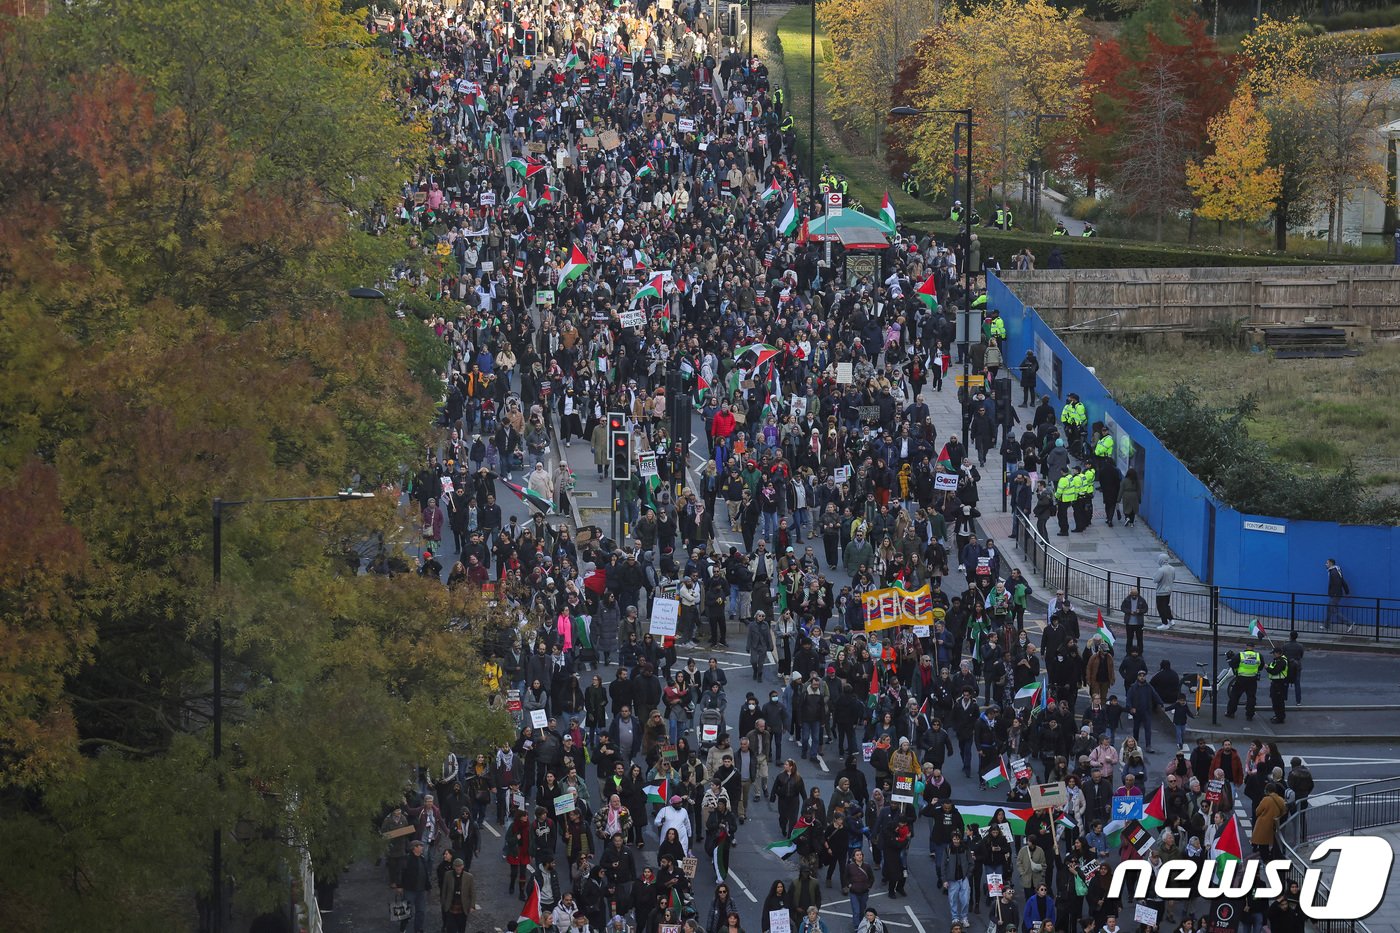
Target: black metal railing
(1226,606)
(1341,812)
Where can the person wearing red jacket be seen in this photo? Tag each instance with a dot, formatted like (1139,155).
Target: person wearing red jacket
(723,424)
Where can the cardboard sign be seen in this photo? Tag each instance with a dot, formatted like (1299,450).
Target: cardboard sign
(779,921)
(903,788)
(1147,916)
(665,613)
(409,830)
(891,607)
(994,885)
(845,373)
(1044,796)
(689,865)
(609,139)
(671,927)
(1139,838)
(535,148)
(632,318)
(539,718)
(646,464)
(841,474)
(946,482)
(588,142)
(565,803)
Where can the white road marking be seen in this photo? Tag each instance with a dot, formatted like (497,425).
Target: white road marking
(836,911)
(914,917)
(742,887)
(822,763)
(491,829)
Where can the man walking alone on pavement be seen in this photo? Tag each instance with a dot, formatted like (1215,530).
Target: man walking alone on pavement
(1337,587)
(1162,582)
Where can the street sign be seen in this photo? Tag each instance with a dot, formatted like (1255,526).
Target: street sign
(833,204)
(975,380)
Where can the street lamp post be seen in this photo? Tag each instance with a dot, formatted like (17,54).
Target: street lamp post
(216,912)
(966,114)
(812,104)
(1038,169)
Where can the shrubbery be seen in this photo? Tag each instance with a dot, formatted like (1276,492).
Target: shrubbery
(1214,444)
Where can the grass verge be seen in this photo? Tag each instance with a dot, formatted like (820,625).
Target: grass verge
(1320,413)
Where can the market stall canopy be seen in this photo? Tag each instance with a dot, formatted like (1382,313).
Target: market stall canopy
(852,222)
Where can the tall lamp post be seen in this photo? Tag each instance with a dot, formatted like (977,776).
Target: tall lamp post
(812,103)
(216,913)
(966,114)
(1038,170)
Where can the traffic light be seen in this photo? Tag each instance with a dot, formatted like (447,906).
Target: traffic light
(621,456)
(617,422)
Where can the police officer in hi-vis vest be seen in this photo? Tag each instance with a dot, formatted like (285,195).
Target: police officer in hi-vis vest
(1246,666)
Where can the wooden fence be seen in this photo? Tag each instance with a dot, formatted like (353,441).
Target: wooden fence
(1365,299)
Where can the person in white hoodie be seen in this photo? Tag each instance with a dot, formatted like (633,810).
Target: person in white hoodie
(1162,582)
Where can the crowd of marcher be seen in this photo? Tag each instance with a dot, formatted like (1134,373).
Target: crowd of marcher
(607,221)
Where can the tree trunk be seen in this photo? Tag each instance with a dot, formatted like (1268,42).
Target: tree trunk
(1281,226)
(1241,233)
(1157,226)
(1191,228)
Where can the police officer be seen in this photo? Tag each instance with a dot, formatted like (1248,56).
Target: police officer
(1279,673)
(1084,505)
(1246,664)
(956,214)
(786,125)
(779,98)
(1103,446)
(1060,229)
(1074,418)
(1089,230)
(1066,493)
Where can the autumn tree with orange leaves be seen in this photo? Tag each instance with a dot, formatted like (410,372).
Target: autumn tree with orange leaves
(176,179)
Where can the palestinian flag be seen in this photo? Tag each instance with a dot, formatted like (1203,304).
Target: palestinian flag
(645,170)
(1001,774)
(1226,848)
(981,815)
(580,632)
(573,268)
(784,848)
(928,293)
(754,355)
(1256,630)
(481,105)
(547,196)
(1154,813)
(1064,821)
(771,192)
(530,920)
(676,904)
(573,61)
(671,212)
(530,497)
(788,225)
(874,698)
(650,290)
(721,857)
(1102,630)
(1030,692)
(518,164)
(520,197)
(659,792)
(887,213)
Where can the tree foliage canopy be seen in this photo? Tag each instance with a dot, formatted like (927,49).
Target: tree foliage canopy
(176,183)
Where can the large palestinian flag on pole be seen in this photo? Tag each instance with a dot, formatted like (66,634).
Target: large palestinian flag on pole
(791,218)
(574,268)
(530,920)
